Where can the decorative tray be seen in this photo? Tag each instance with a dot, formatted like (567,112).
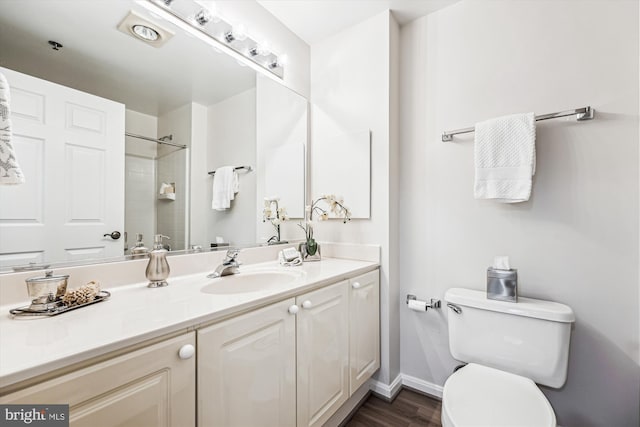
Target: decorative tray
(59,307)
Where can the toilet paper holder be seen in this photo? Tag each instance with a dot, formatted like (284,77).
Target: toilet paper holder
(433,302)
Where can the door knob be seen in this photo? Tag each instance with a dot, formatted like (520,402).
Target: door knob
(307,304)
(356,285)
(114,235)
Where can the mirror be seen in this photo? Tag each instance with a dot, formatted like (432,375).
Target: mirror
(207,109)
(353,166)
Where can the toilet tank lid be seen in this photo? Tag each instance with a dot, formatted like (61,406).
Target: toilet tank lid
(528,307)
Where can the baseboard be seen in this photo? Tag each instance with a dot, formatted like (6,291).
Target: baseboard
(387,392)
(423,386)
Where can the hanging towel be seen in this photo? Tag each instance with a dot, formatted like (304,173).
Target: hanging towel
(225,186)
(10,172)
(505,158)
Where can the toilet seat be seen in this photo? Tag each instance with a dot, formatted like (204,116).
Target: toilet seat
(477,395)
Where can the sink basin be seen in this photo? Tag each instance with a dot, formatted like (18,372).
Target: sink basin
(254,281)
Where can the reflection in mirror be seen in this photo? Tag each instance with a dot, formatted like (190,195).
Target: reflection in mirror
(352,165)
(85,179)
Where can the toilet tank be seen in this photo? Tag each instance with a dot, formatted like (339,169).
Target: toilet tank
(529,338)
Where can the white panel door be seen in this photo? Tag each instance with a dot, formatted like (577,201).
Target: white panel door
(323,353)
(247,369)
(70,145)
(364,324)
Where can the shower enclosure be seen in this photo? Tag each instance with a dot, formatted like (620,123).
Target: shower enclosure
(156,190)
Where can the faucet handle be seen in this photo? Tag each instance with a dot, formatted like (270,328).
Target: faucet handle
(232,254)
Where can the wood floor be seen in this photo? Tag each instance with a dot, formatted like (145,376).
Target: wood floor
(409,409)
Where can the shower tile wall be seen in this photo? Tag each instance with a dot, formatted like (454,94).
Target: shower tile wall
(171,214)
(140,199)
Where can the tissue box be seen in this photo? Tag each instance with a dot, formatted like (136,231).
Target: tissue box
(502,285)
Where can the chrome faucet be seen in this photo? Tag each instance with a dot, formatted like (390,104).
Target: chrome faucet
(229,266)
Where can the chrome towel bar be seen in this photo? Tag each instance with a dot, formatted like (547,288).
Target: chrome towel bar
(237,168)
(582,114)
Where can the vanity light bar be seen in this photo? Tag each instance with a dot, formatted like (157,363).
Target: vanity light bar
(222,35)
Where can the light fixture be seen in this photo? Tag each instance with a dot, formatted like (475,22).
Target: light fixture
(203,17)
(198,18)
(144,29)
(145,33)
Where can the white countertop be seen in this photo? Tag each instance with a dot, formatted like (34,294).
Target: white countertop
(34,346)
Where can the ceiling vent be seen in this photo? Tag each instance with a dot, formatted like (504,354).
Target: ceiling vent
(145,30)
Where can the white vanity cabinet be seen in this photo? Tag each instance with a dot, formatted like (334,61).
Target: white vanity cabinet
(152,386)
(292,363)
(247,369)
(364,328)
(323,353)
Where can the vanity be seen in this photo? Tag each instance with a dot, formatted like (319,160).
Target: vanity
(271,346)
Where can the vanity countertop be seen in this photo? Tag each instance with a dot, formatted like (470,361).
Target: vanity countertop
(31,347)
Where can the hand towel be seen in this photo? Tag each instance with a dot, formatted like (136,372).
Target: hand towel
(225,186)
(505,158)
(10,172)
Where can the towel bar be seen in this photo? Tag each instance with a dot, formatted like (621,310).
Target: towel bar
(582,114)
(237,168)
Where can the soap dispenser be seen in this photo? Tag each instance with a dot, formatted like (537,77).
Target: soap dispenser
(158,267)
(139,250)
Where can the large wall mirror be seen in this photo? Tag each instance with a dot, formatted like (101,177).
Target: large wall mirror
(116,135)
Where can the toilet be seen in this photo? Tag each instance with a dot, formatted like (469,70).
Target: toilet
(509,348)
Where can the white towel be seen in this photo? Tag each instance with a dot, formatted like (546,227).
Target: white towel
(505,158)
(225,186)
(10,172)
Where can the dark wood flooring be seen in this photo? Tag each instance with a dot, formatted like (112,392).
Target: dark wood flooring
(409,409)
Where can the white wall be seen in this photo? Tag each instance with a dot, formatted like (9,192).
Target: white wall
(281,124)
(172,167)
(576,240)
(350,90)
(232,141)
(199,203)
(262,25)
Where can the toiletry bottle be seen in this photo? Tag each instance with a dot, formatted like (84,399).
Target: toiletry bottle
(139,249)
(158,267)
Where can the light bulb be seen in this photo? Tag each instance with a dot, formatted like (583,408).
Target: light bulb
(264,48)
(210,7)
(239,32)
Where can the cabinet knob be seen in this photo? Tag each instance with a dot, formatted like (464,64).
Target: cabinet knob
(307,304)
(187,351)
(293,309)
(356,285)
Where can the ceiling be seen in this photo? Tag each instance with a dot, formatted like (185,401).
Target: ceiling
(98,59)
(315,20)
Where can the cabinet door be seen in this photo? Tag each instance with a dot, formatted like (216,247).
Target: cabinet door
(364,324)
(323,353)
(152,386)
(247,369)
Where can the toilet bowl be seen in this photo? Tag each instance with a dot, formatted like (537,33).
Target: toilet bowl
(509,348)
(477,395)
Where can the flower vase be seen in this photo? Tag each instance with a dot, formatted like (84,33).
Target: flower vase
(310,250)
